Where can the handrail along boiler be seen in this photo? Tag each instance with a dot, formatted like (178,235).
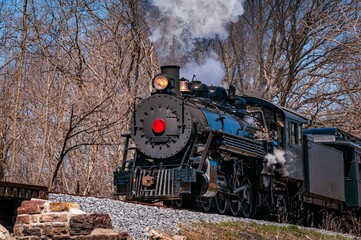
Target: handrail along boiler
(202,145)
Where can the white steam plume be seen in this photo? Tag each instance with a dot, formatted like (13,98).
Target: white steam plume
(177,23)
(210,71)
(278,156)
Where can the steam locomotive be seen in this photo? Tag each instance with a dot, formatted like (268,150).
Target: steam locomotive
(193,144)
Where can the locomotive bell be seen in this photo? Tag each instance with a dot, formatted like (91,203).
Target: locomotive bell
(183,87)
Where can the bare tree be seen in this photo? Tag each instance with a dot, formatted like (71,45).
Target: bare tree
(19,87)
(297,54)
(77,128)
(84,63)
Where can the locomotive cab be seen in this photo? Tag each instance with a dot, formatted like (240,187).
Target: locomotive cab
(283,129)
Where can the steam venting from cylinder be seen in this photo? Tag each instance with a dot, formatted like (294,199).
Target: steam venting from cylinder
(172,71)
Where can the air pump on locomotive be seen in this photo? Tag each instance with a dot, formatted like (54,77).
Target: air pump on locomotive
(206,146)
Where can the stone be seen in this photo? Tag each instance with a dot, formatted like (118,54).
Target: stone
(46,207)
(23,219)
(62,237)
(31,231)
(107,234)
(100,234)
(62,206)
(105,237)
(124,236)
(85,223)
(84,237)
(4,233)
(33,238)
(104,231)
(51,230)
(31,206)
(35,218)
(79,225)
(74,211)
(179,237)
(97,234)
(157,234)
(101,221)
(53,217)
(18,230)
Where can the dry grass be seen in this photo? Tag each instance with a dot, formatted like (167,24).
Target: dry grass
(349,223)
(241,230)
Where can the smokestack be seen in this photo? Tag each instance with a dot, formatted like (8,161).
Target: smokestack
(172,71)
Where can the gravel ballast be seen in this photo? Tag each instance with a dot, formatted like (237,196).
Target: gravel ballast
(137,219)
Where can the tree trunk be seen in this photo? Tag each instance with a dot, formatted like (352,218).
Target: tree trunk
(18,93)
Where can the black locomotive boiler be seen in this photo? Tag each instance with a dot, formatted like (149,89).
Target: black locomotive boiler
(201,145)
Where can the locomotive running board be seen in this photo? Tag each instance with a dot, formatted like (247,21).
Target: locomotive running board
(241,145)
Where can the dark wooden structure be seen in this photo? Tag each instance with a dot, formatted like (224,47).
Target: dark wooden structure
(9,190)
(11,196)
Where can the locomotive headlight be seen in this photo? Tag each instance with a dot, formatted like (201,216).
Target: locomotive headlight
(160,82)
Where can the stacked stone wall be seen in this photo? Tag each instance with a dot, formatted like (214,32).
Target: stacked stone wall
(41,219)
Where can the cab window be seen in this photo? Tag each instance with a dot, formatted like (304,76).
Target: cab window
(294,133)
(358,163)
